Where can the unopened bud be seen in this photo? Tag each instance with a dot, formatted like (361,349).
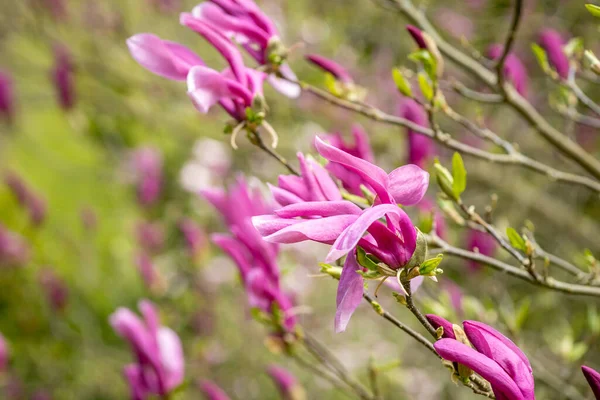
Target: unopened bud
(420,251)
(435,52)
(445,180)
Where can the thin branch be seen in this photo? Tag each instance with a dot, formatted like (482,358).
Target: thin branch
(580,118)
(581,96)
(446,140)
(323,374)
(549,283)
(566,146)
(258,141)
(512,34)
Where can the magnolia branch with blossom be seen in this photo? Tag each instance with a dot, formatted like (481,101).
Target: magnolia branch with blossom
(346,202)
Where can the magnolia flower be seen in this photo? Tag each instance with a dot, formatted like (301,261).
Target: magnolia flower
(244,22)
(212,392)
(420,147)
(481,242)
(4,354)
(147,165)
(159,366)
(360,148)
(514,70)
(417,36)
(593,378)
(288,386)
(340,73)
(343,224)
(55,289)
(193,234)
(14,250)
(255,258)
(62,76)
(553,43)
(146,269)
(150,236)
(33,203)
(7,97)
(490,354)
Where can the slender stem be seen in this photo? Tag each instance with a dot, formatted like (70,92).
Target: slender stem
(323,374)
(512,34)
(258,141)
(415,311)
(446,140)
(330,361)
(549,283)
(581,96)
(414,334)
(580,118)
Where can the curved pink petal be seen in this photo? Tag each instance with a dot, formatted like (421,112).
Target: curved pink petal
(349,293)
(269,224)
(171,354)
(372,174)
(502,384)
(318,208)
(206,87)
(167,59)
(408,184)
(349,238)
(593,378)
(437,321)
(283,85)
(212,391)
(323,230)
(282,196)
(234,249)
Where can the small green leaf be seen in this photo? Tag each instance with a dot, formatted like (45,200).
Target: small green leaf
(425,86)
(515,239)
(332,85)
(429,63)
(459,175)
(430,266)
(444,180)
(401,83)
(365,261)
(574,47)
(593,9)
(593,319)
(540,55)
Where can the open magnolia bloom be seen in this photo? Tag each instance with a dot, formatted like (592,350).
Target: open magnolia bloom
(383,231)
(489,353)
(245,23)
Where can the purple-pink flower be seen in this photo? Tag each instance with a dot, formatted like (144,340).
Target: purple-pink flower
(514,69)
(27,198)
(593,378)
(255,258)
(147,166)
(492,355)
(553,43)
(360,148)
(417,36)
(345,226)
(150,236)
(194,236)
(145,267)
(63,75)
(481,242)
(55,289)
(420,148)
(14,250)
(159,365)
(340,73)
(288,385)
(7,97)
(211,391)
(4,354)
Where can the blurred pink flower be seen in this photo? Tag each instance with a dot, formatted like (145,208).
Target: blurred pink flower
(33,203)
(150,236)
(514,69)
(288,385)
(7,97)
(146,269)
(14,250)
(55,289)
(195,238)
(553,43)
(159,365)
(63,77)
(483,242)
(420,148)
(147,165)
(211,391)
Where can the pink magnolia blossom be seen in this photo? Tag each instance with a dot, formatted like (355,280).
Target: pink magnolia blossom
(245,23)
(255,258)
(150,236)
(194,236)
(14,250)
(481,242)
(27,198)
(493,356)
(4,354)
(340,73)
(57,293)
(159,365)
(147,165)
(514,69)
(212,392)
(420,148)
(359,148)
(593,378)
(553,43)
(7,97)
(288,385)
(146,269)
(62,75)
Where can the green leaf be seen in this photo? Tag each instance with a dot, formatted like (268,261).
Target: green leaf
(430,266)
(401,83)
(593,319)
(444,180)
(425,86)
(574,47)
(459,175)
(540,55)
(332,85)
(429,63)
(365,261)
(593,9)
(515,239)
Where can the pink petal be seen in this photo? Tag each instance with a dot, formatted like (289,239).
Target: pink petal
(319,209)
(171,354)
(408,184)
(438,321)
(284,86)
(502,384)
(593,378)
(206,87)
(349,293)
(212,391)
(283,197)
(349,238)
(323,230)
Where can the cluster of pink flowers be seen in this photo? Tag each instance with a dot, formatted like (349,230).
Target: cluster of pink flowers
(255,258)
(313,209)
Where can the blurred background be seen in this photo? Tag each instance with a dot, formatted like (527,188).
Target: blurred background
(81,232)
